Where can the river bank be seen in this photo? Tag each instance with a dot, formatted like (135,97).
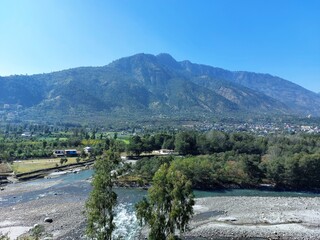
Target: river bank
(215,217)
(256,217)
(221,217)
(11,177)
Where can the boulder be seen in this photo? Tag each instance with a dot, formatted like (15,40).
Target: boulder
(227,219)
(48,220)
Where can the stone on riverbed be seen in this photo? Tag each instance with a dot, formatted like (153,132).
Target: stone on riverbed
(48,220)
(227,219)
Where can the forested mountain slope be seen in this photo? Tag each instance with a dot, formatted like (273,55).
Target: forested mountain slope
(145,86)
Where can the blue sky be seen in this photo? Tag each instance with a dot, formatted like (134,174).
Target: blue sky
(280,37)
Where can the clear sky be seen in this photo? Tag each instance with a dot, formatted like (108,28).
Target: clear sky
(280,37)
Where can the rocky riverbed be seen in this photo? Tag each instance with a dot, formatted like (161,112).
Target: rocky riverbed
(20,211)
(68,220)
(234,217)
(257,217)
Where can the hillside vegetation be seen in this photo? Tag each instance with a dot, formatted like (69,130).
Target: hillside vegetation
(145,87)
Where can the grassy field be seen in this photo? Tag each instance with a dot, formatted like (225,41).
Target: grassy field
(126,141)
(37,164)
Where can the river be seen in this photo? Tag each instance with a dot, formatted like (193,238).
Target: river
(77,186)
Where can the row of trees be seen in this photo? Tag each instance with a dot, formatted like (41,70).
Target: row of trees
(220,159)
(289,161)
(194,143)
(183,142)
(209,171)
(24,148)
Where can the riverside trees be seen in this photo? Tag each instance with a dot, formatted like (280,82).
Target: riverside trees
(102,200)
(169,206)
(214,160)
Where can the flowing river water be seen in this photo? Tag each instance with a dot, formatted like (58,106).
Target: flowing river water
(77,186)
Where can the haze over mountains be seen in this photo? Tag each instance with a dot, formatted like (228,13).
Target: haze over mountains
(148,85)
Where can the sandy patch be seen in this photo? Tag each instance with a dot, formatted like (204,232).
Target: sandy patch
(14,231)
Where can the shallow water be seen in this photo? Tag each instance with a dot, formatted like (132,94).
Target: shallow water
(253,193)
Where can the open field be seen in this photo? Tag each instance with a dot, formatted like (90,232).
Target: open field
(24,166)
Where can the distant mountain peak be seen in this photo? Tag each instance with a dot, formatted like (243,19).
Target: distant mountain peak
(167,60)
(165,55)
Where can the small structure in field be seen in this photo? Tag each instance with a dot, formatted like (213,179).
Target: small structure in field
(65,153)
(26,134)
(58,153)
(166,151)
(163,152)
(88,150)
(71,152)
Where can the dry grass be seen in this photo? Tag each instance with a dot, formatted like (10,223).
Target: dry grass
(37,164)
(4,168)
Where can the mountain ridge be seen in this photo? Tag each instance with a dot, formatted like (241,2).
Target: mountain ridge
(145,85)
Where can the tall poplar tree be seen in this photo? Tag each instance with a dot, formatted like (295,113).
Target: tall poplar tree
(102,200)
(168,206)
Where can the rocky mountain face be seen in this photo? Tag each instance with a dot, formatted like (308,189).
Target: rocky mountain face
(148,85)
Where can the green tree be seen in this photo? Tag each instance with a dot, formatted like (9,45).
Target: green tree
(186,143)
(251,167)
(310,174)
(63,160)
(169,205)
(83,154)
(135,146)
(147,167)
(37,232)
(200,170)
(44,144)
(102,200)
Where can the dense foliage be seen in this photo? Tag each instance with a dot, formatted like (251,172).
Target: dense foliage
(216,160)
(102,200)
(168,206)
(211,159)
(43,139)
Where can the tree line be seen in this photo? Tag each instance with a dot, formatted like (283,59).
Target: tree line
(214,160)
(207,161)
(238,158)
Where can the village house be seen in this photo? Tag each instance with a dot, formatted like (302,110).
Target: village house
(71,153)
(87,150)
(58,153)
(65,153)
(166,151)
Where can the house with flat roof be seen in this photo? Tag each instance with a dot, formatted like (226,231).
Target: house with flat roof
(71,152)
(58,153)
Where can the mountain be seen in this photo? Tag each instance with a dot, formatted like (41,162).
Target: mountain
(297,98)
(147,87)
